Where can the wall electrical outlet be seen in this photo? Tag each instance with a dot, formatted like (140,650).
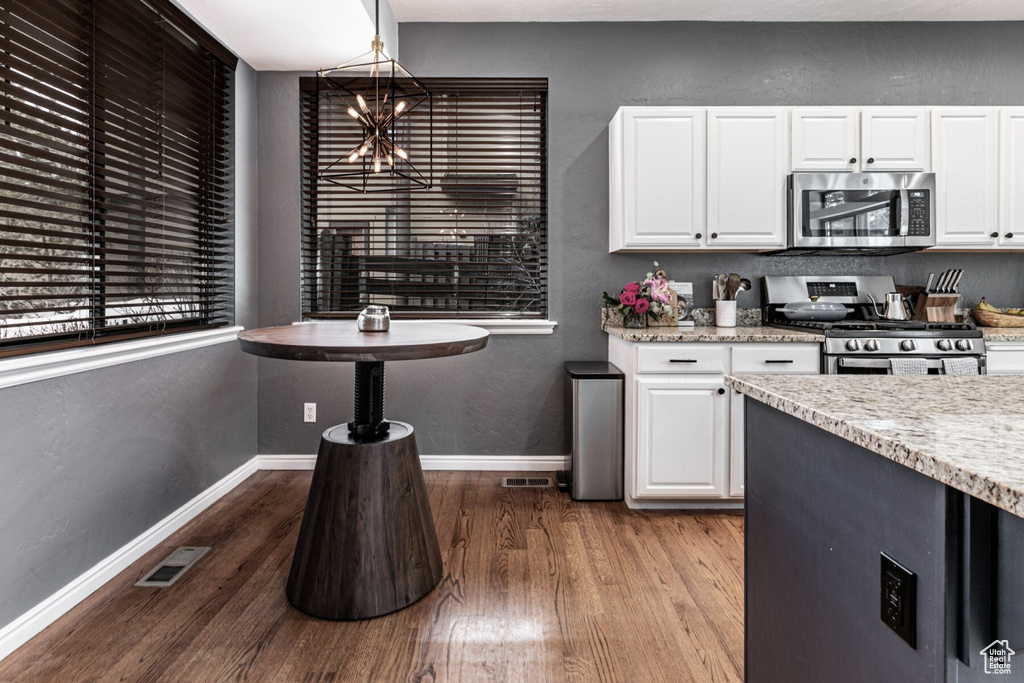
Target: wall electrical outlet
(309,412)
(899,599)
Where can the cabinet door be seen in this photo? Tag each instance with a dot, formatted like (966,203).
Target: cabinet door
(966,164)
(826,139)
(748,159)
(895,139)
(1011,177)
(656,176)
(681,438)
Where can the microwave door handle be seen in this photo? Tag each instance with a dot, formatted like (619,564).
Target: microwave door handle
(904,213)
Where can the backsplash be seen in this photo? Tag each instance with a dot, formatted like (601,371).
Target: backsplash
(745,317)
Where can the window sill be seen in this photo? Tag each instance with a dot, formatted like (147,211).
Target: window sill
(33,368)
(491,325)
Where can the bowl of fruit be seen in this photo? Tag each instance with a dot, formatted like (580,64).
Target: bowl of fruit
(989,316)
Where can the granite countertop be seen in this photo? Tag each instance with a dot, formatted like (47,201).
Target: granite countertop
(1009,334)
(755,333)
(966,432)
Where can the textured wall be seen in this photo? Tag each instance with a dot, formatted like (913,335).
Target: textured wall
(507,399)
(92,460)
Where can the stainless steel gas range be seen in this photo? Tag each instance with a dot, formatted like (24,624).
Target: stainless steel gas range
(864,342)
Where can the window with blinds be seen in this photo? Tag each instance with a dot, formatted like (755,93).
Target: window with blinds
(115,173)
(473,245)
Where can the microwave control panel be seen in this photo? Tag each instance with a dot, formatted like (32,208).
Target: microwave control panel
(919,215)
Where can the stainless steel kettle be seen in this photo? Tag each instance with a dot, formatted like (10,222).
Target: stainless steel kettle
(895,307)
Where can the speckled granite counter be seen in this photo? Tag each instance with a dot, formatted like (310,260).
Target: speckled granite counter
(1007,334)
(966,432)
(712,334)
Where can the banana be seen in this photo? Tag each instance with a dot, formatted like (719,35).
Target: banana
(986,306)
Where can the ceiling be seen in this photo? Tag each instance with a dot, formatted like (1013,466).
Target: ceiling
(308,34)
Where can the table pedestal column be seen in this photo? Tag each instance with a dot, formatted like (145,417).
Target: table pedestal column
(367,545)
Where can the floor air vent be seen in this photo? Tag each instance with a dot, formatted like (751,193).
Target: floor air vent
(525,482)
(171,569)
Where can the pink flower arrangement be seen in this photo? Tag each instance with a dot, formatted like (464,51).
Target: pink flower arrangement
(638,300)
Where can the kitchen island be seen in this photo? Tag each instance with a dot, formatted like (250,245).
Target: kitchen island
(842,472)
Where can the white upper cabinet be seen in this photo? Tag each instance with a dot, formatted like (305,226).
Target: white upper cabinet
(895,139)
(1011,177)
(966,161)
(748,159)
(657,178)
(826,139)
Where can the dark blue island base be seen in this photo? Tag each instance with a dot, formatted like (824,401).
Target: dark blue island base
(820,512)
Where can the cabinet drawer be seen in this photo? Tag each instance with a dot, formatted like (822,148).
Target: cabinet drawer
(1006,358)
(773,359)
(682,358)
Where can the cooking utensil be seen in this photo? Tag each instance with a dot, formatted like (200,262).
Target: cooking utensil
(732,287)
(744,285)
(723,280)
(895,307)
(826,311)
(931,279)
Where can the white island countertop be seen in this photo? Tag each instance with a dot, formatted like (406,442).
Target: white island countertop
(966,432)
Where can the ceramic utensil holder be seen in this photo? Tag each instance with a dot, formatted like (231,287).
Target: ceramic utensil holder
(725,313)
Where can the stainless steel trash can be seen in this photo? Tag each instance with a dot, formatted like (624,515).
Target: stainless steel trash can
(593,396)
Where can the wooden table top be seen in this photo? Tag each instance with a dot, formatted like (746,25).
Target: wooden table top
(341,341)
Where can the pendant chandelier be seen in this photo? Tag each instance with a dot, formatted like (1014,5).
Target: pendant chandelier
(391,150)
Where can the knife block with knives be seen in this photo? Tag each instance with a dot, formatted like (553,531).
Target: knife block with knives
(938,303)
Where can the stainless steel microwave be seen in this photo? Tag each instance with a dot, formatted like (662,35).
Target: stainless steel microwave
(873,213)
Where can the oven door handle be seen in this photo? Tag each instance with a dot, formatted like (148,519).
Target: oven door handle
(881,363)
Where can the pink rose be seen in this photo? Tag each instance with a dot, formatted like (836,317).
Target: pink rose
(632,288)
(641,306)
(627,298)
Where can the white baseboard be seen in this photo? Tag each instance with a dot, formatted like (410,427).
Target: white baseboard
(469,463)
(25,627)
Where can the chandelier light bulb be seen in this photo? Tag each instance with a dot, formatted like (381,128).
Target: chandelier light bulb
(401,153)
(399,108)
(376,165)
(353,113)
(362,103)
(353,156)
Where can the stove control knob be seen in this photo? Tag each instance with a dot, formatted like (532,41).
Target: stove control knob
(853,345)
(965,345)
(944,345)
(908,344)
(871,345)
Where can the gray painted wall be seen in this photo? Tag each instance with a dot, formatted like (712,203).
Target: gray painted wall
(92,460)
(507,398)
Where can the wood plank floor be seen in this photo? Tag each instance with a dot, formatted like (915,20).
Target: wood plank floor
(536,588)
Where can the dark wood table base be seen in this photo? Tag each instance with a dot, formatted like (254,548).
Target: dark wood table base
(367,545)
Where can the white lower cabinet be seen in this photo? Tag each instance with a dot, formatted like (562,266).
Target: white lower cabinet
(684,435)
(1005,358)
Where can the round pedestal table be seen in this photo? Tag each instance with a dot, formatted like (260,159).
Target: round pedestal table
(367,545)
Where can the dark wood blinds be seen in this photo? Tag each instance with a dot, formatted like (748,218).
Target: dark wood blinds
(115,175)
(474,245)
